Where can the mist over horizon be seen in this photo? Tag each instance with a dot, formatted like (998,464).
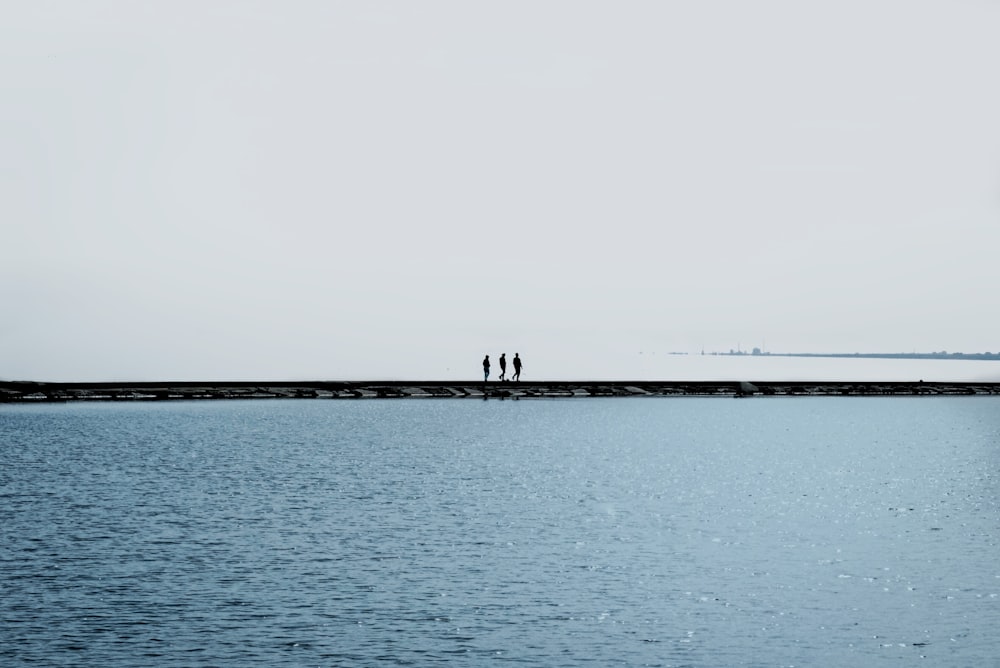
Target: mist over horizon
(644,367)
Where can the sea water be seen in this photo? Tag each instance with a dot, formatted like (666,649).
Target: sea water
(659,532)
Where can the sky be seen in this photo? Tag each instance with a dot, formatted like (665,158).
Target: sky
(244,190)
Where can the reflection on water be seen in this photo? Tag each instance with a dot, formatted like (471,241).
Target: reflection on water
(670,532)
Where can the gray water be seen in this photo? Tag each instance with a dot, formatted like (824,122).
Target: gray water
(661,532)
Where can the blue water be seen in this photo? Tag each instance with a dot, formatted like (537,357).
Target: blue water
(660,532)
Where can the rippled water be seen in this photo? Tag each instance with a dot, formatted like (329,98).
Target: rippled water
(662,532)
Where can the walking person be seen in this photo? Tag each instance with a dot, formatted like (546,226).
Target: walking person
(486,368)
(517,367)
(503,365)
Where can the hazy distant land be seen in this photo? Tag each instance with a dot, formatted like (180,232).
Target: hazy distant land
(943,355)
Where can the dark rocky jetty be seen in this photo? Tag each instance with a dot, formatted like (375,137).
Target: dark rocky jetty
(33,392)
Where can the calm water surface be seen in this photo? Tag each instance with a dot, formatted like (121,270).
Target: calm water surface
(660,532)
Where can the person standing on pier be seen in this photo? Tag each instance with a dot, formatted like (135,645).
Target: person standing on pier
(503,365)
(486,368)
(517,367)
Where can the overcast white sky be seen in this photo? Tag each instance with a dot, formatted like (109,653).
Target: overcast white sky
(270,190)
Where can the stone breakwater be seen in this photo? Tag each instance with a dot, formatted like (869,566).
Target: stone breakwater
(33,392)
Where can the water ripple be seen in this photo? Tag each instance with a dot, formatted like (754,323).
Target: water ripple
(559,533)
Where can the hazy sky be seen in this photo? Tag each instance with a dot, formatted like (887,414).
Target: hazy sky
(268,190)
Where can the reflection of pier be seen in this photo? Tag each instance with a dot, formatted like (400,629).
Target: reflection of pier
(31,392)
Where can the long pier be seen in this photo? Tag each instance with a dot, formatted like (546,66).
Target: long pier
(38,392)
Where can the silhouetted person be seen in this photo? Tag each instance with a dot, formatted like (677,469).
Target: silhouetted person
(517,366)
(503,365)
(486,368)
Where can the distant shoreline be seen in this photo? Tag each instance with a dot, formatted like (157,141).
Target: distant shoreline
(26,392)
(975,357)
